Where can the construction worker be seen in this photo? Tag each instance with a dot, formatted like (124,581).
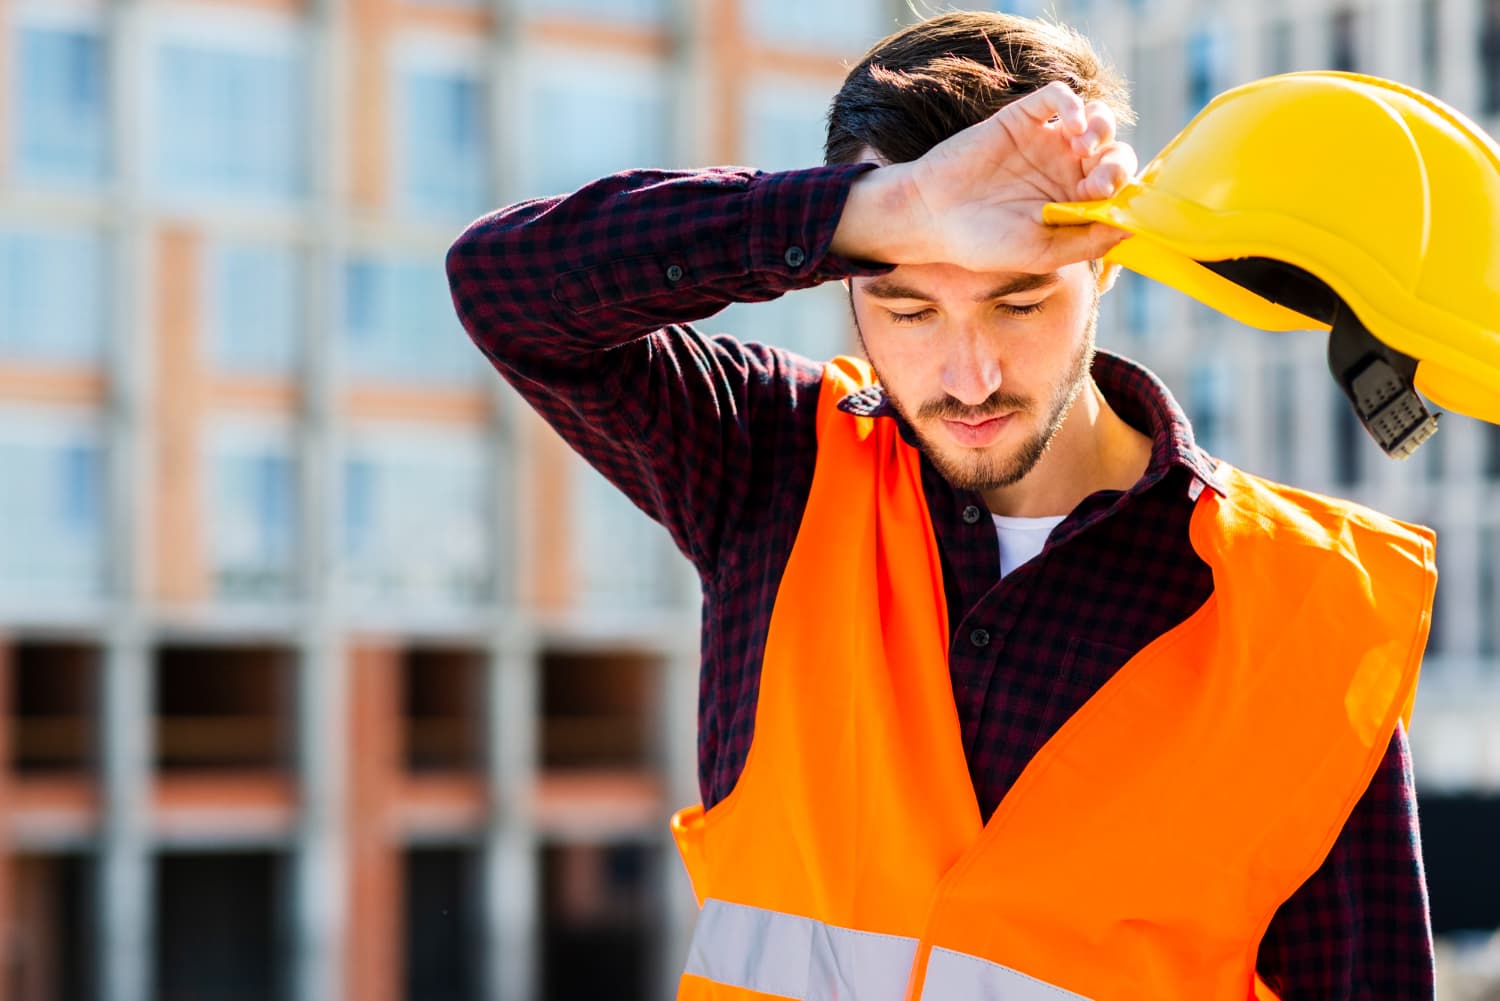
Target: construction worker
(1009,690)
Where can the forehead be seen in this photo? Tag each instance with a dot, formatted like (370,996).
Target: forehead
(949,281)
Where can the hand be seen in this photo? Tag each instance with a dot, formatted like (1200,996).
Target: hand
(975,200)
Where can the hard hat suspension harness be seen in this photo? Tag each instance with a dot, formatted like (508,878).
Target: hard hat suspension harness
(1377,379)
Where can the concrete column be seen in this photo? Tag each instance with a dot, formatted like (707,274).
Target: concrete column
(319,859)
(679,728)
(511,905)
(126,926)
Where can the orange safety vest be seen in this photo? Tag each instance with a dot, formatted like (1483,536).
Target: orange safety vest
(1143,850)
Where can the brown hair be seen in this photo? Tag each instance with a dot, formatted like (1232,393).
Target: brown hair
(935,78)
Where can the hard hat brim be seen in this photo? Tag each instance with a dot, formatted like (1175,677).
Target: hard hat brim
(1450,378)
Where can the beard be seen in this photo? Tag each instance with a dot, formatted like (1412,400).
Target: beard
(980,470)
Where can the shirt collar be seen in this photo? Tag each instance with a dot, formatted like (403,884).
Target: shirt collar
(1141,399)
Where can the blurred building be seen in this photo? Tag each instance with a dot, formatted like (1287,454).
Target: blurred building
(329,672)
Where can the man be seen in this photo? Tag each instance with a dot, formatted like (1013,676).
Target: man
(1008,689)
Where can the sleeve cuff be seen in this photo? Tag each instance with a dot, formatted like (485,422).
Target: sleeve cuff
(793,216)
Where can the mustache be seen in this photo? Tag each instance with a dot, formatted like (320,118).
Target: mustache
(999,402)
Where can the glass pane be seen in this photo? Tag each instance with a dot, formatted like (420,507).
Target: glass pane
(51,504)
(60,105)
(589,127)
(1489,56)
(1210,399)
(399,323)
(253,524)
(615,10)
(785,130)
(847,28)
(444,163)
(255,307)
(231,123)
(1489,593)
(1343,52)
(51,295)
(1208,58)
(813,322)
(208,951)
(620,558)
(417,521)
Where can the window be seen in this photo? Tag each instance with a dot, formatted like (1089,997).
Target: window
(1348,441)
(600,922)
(1280,45)
(1140,305)
(1211,404)
(51,503)
(252,520)
(231,122)
(784,130)
(784,127)
(846,28)
(52,286)
(620,559)
(1343,53)
(52,902)
(255,308)
(1208,58)
(1026,8)
(224,709)
(442,712)
(218,922)
(1489,593)
(1285,431)
(60,105)
(399,322)
(588,121)
(416,519)
(1431,28)
(53,693)
(443,146)
(1489,56)
(814,323)
(1437,634)
(443,931)
(617,10)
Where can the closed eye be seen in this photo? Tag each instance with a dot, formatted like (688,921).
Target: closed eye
(1026,310)
(917,317)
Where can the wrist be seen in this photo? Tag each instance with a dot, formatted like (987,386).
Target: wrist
(878,223)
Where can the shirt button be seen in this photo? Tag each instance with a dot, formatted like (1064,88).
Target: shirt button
(980,637)
(971,514)
(794,257)
(674,273)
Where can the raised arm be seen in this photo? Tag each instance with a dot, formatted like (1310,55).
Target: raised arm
(584,303)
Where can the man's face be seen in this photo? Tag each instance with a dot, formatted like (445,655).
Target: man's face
(984,367)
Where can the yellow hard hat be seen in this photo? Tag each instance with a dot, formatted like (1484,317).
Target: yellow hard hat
(1335,201)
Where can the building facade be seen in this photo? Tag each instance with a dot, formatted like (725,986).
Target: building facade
(329,672)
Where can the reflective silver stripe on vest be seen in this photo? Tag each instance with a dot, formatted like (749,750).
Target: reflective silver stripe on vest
(796,957)
(955,976)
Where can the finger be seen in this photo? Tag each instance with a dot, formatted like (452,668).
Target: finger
(1070,244)
(1106,173)
(1099,131)
(1054,101)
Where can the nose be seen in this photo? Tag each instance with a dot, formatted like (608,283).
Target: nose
(971,374)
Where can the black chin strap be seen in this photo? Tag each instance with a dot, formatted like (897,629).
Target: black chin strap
(1378,380)
(1380,384)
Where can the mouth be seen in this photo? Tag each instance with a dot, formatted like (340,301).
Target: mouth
(977,433)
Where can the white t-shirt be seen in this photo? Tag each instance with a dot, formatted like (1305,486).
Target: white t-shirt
(1022,538)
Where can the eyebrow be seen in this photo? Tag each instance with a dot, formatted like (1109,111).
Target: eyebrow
(889,288)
